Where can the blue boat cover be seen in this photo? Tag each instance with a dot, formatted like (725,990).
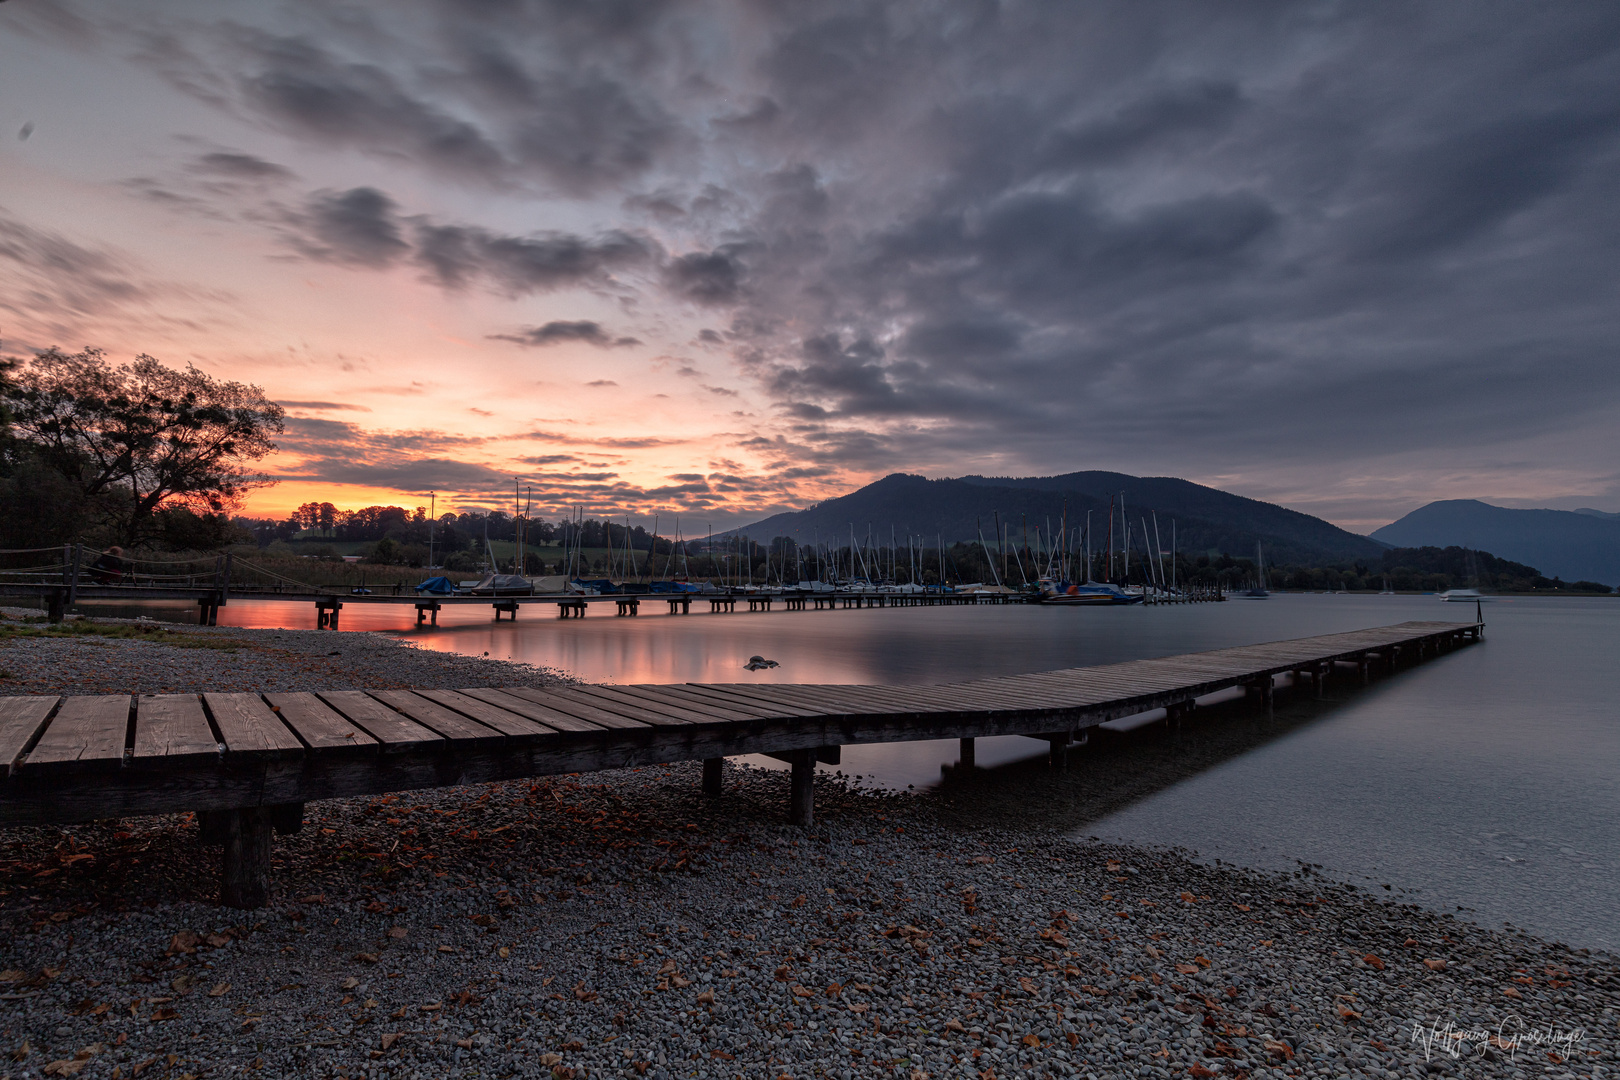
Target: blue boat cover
(442,586)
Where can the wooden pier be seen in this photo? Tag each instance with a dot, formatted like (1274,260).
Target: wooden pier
(249,762)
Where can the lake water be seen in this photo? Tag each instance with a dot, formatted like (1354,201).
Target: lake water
(1485,779)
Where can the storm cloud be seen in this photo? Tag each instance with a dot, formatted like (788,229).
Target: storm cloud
(1163,237)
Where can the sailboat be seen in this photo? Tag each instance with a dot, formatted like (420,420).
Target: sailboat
(1463,596)
(1259,591)
(1054,587)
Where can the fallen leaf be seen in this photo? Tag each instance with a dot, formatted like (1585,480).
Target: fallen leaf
(1187,969)
(706,997)
(954,1025)
(582,994)
(186,941)
(218,941)
(484,920)
(1188,898)
(1512,992)
(1031,1040)
(862,1007)
(397,932)
(350,983)
(1435,965)
(220,989)
(1279,1049)
(12,975)
(984,860)
(1373,962)
(65,1067)
(165,1014)
(1348,1014)
(389,1040)
(1200,1072)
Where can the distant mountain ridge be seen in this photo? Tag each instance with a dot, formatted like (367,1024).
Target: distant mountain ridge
(1206,519)
(1573,545)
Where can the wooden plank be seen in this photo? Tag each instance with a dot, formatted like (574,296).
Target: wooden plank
(736,699)
(317,725)
(510,715)
(672,697)
(693,712)
(541,704)
(85,730)
(604,697)
(393,731)
(172,726)
(249,727)
(21,718)
(460,730)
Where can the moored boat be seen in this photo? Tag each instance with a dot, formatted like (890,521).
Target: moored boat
(1075,594)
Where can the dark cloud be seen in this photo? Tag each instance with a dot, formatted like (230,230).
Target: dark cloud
(303,89)
(238,166)
(558,332)
(455,256)
(360,226)
(706,277)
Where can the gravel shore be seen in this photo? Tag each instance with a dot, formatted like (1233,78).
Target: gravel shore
(236,659)
(621,924)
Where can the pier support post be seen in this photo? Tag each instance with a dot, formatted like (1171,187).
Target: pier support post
(55,606)
(802,799)
(245,869)
(712,770)
(965,754)
(1057,752)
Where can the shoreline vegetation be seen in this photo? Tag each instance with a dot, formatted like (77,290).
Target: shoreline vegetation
(621,924)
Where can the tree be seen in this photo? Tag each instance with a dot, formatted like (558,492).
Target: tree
(143,436)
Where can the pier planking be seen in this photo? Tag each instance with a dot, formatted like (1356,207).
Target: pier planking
(231,756)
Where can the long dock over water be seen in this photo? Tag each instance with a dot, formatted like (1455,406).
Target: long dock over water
(248,762)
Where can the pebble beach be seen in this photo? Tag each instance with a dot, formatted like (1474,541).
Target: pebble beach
(622,924)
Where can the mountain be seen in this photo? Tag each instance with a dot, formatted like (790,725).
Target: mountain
(1571,544)
(1589,512)
(1206,519)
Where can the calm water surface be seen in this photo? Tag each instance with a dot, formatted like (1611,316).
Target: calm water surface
(1486,779)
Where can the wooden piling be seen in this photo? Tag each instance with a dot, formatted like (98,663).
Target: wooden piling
(245,871)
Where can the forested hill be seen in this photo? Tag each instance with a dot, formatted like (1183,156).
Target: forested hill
(1206,519)
(1571,544)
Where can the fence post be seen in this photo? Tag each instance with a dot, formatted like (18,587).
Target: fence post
(225,585)
(73,582)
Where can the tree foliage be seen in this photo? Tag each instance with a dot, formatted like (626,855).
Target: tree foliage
(134,440)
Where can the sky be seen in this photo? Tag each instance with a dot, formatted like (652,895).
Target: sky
(720,259)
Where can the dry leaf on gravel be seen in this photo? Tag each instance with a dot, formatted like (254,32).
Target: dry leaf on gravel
(1435,965)
(220,989)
